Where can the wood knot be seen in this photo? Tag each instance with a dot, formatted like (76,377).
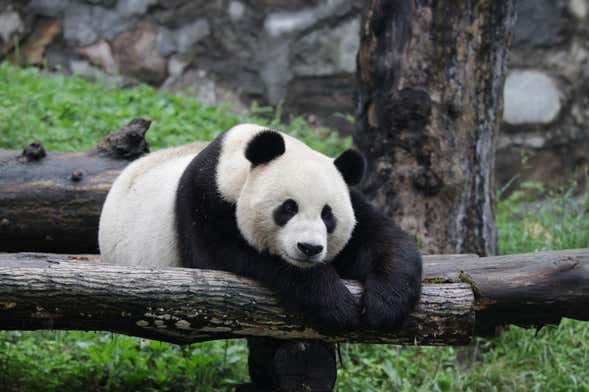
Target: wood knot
(77,176)
(126,143)
(33,152)
(409,109)
(428,182)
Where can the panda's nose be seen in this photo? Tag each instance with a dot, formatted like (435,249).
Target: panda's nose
(309,249)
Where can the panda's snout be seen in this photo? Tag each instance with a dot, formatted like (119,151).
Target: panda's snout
(309,250)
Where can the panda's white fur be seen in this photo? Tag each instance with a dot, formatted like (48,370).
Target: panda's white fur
(137,222)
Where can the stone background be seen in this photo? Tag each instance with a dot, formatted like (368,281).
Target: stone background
(301,53)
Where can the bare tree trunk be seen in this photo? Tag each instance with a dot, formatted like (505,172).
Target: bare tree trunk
(430,76)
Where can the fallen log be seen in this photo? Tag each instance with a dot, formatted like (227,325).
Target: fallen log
(51,202)
(463,296)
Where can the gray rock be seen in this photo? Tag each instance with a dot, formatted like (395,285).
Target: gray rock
(51,8)
(100,54)
(530,97)
(236,10)
(539,23)
(176,66)
(275,72)
(198,83)
(166,42)
(106,3)
(176,14)
(137,55)
(579,8)
(85,24)
(183,39)
(328,51)
(190,34)
(86,70)
(134,7)
(278,23)
(11,25)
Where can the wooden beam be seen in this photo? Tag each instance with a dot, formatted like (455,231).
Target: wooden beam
(51,291)
(529,290)
(45,291)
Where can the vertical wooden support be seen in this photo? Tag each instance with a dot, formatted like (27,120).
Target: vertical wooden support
(290,365)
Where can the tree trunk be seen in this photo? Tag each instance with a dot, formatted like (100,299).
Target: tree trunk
(430,76)
(51,202)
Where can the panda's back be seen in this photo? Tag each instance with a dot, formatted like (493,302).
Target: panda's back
(137,220)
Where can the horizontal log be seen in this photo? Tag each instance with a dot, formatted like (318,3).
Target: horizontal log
(45,291)
(528,290)
(40,291)
(51,202)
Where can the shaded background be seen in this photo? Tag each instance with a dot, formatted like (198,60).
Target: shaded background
(301,54)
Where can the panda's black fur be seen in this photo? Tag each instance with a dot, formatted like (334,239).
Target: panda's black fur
(379,254)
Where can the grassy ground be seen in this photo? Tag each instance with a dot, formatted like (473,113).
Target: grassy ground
(67,113)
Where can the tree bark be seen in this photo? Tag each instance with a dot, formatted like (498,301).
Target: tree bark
(50,291)
(51,202)
(430,77)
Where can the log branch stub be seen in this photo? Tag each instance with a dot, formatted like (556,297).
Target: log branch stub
(33,152)
(126,143)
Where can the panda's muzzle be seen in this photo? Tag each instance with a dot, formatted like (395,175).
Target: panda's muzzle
(309,250)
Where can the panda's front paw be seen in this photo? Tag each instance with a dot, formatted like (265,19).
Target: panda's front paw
(343,314)
(382,310)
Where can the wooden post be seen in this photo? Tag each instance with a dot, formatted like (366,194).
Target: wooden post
(290,365)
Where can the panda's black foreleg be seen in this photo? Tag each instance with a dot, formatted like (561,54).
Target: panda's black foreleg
(393,284)
(324,300)
(317,294)
(386,260)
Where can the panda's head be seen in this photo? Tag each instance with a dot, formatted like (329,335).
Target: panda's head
(296,202)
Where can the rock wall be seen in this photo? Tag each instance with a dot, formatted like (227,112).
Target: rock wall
(302,53)
(545,131)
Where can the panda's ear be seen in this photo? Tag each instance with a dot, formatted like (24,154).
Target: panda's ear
(352,165)
(264,147)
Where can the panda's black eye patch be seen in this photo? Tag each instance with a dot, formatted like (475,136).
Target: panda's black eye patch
(328,218)
(287,210)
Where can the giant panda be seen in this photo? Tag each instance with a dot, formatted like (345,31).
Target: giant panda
(262,204)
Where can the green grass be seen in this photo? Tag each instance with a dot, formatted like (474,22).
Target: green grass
(68,113)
